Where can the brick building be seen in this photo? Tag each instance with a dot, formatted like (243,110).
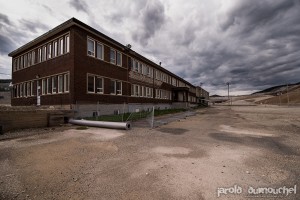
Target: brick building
(76,66)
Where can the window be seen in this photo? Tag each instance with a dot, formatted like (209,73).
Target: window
(119,59)
(112,56)
(18,91)
(119,87)
(49,51)
(31,88)
(91,84)
(54,84)
(33,57)
(18,64)
(91,47)
(66,82)
(28,89)
(144,91)
(100,51)
(136,90)
(60,84)
(25,89)
(99,85)
(29,59)
(136,66)
(44,53)
(39,55)
(21,62)
(67,44)
(61,46)
(55,49)
(25,60)
(49,86)
(44,86)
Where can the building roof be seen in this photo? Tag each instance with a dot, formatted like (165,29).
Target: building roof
(75,22)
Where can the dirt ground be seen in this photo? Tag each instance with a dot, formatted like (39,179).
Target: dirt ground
(192,158)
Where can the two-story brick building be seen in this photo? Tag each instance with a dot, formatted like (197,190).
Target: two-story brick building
(76,66)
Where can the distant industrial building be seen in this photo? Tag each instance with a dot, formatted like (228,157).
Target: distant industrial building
(76,66)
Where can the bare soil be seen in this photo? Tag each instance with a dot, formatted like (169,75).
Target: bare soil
(191,158)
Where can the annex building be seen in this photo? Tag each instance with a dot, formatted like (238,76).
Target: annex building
(75,66)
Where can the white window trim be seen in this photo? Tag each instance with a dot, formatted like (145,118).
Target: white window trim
(87,52)
(102,53)
(115,59)
(66,89)
(60,81)
(96,88)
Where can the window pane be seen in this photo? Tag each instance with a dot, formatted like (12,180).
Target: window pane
(49,51)
(44,86)
(91,84)
(49,88)
(54,84)
(67,45)
(119,87)
(112,56)
(119,58)
(39,55)
(99,51)
(99,85)
(55,49)
(61,46)
(91,47)
(66,82)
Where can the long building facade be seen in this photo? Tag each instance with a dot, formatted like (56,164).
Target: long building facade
(76,66)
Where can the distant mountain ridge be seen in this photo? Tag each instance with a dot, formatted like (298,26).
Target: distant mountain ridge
(279,89)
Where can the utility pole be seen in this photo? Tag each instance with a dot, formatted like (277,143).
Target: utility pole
(287,94)
(228,92)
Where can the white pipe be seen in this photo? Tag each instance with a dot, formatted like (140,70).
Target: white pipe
(116,125)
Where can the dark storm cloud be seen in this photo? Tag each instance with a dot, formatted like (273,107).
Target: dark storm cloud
(4,19)
(33,26)
(6,45)
(153,17)
(258,47)
(79,5)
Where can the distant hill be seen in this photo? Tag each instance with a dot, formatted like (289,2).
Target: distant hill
(279,89)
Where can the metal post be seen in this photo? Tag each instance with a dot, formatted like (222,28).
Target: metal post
(287,94)
(228,92)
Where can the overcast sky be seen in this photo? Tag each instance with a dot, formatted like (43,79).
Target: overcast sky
(253,44)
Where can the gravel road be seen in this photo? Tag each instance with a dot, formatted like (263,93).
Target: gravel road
(192,158)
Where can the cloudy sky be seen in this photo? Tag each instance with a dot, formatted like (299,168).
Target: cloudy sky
(251,44)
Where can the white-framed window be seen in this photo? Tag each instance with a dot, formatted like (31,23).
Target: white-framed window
(60,83)
(119,58)
(39,55)
(67,44)
(100,51)
(49,51)
(25,60)
(54,49)
(54,84)
(44,53)
(112,56)
(33,57)
(18,91)
(144,91)
(61,46)
(31,88)
(44,86)
(24,89)
(136,90)
(119,87)
(141,91)
(49,86)
(140,68)
(18,64)
(66,82)
(21,62)
(90,47)
(29,59)
(136,66)
(99,85)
